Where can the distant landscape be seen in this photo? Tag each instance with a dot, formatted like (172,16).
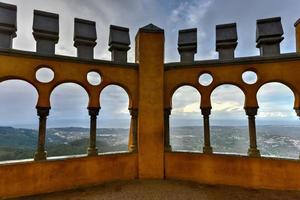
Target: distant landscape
(273,141)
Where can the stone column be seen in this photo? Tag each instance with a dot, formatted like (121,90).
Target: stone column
(119,42)
(187,45)
(226,40)
(92,150)
(269,35)
(167,113)
(85,37)
(251,112)
(297,34)
(133,128)
(297,110)
(41,154)
(207,147)
(45,32)
(8,25)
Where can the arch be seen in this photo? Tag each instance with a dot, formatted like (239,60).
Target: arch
(178,87)
(19,78)
(186,133)
(57,84)
(18,119)
(288,85)
(68,132)
(229,131)
(277,130)
(228,83)
(126,89)
(114,119)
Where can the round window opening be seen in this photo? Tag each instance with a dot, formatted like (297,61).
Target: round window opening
(93,78)
(205,79)
(249,77)
(44,75)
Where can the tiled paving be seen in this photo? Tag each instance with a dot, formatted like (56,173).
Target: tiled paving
(160,190)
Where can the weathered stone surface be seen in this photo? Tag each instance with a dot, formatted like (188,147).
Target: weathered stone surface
(85,36)
(226,40)
(45,31)
(187,44)
(119,42)
(8,24)
(269,35)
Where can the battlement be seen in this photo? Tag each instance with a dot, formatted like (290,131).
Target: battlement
(269,35)
(150,84)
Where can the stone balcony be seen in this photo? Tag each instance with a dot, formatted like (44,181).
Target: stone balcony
(150,84)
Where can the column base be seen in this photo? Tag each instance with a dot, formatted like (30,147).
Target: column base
(168,148)
(253,152)
(92,151)
(207,150)
(132,148)
(40,155)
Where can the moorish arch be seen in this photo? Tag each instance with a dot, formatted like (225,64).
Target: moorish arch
(18,99)
(69,102)
(228,112)
(186,114)
(275,113)
(115,113)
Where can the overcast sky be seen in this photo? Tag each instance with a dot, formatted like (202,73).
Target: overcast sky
(69,101)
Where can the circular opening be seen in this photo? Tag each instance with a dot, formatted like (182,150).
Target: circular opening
(205,79)
(94,78)
(249,77)
(44,75)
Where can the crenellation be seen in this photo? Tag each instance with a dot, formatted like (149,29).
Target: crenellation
(8,24)
(226,40)
(187,44)
(85,36)
(119,42)
(45,31)
(269,34)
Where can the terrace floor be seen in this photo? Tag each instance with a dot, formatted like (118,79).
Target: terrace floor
(168,189)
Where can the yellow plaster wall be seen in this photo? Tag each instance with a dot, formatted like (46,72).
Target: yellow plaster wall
(31,177)
(234,170)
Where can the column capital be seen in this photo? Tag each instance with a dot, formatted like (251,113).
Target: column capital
(168,111)
(297,110)
(205,111)
(251,111)
(43,111)
(93,111)
(133,112)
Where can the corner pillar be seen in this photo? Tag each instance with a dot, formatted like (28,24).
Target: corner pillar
(251,112)
(150,56)
(41,154)
(92,150)
(207,146)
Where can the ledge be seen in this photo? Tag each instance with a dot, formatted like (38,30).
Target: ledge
(62,58)
(31,178)
(236,61)
(63,158)
(250,172)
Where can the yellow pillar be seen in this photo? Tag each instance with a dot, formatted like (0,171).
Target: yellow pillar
(297,34)
(150,56)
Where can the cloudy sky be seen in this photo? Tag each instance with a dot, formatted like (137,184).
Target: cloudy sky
(69,101)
